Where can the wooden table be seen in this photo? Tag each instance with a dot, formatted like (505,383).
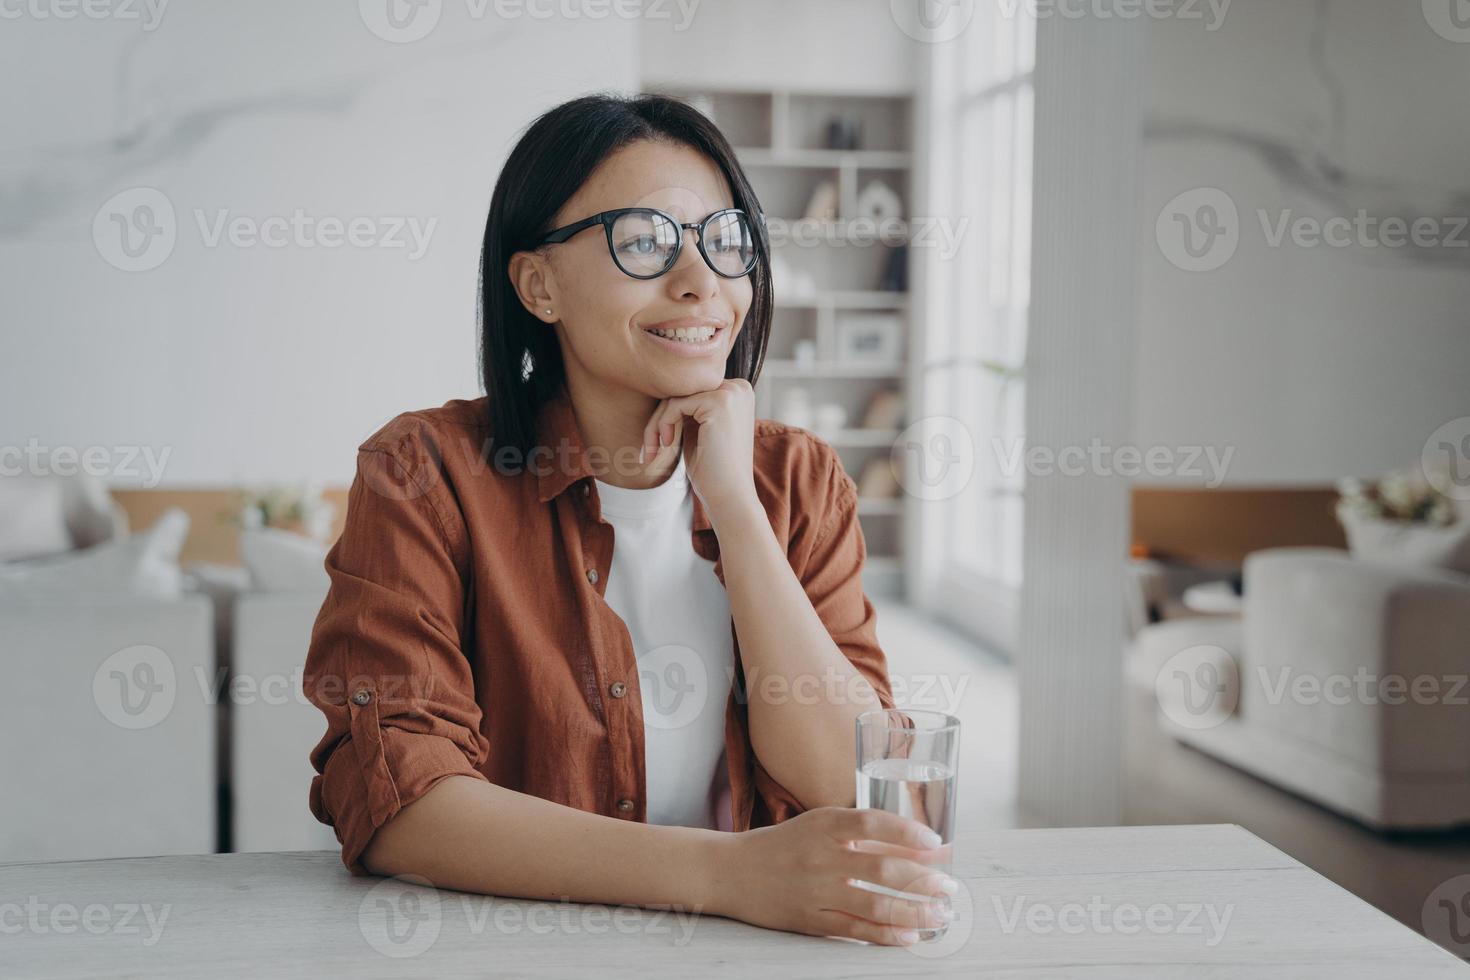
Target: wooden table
(1124,903)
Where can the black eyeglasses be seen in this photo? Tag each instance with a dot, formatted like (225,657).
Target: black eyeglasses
(645,242)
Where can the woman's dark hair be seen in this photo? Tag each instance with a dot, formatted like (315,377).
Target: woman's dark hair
(520,362)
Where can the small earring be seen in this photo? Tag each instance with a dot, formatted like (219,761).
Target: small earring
(548,313)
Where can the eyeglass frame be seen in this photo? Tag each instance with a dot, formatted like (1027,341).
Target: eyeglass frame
(608,218)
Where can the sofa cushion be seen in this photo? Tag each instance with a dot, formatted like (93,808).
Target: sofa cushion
(146,563)
(32,518)
(283,561)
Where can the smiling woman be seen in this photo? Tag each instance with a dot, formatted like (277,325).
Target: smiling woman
(516,706)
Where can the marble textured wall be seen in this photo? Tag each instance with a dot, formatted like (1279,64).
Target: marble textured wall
(249,233)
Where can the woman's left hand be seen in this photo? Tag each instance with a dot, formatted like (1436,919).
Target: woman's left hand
(718,446)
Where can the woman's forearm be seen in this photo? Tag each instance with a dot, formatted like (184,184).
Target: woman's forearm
(476,836)
(803,692)
(473,836)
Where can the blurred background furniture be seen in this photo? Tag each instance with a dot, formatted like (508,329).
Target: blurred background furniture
(1219,598)
(274,726)
(268,607)
(43,515)
(78,785)
(1350,685)
(110,665)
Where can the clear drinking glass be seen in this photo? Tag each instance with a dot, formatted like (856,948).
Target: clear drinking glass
(907,761)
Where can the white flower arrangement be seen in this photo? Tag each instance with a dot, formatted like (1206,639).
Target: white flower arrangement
(302,508)
(1403,496)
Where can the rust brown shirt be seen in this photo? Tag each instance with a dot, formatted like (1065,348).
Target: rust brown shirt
(465,630)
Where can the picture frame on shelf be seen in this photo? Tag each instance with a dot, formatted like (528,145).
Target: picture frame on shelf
(869,338)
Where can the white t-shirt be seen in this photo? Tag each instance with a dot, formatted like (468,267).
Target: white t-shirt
(678,615)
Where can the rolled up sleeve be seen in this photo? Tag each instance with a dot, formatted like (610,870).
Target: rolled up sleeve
(386,664)
(828,560)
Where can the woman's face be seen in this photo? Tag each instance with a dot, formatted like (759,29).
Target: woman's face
(604,319)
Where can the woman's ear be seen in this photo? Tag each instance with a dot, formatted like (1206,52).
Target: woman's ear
(532,278)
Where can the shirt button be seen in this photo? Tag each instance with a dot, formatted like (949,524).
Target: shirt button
(592,575)
(586,489)
(362,697)
(618,689)
(625,805)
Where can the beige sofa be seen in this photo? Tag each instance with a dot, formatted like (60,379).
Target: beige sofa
(1344,681)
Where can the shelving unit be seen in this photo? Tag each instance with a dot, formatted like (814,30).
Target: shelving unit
(781,140)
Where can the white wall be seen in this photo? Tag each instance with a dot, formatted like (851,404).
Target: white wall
(808,45)
(256,363)
(1313,363)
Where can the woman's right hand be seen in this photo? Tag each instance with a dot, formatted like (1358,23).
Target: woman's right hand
(796,876)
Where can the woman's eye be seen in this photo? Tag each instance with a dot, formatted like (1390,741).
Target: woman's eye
(641,245)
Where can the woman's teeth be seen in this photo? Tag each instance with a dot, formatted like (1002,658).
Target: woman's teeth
(686,333)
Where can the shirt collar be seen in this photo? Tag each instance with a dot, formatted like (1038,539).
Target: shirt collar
(557,432)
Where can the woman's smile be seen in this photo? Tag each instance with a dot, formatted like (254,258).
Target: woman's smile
(689,336)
